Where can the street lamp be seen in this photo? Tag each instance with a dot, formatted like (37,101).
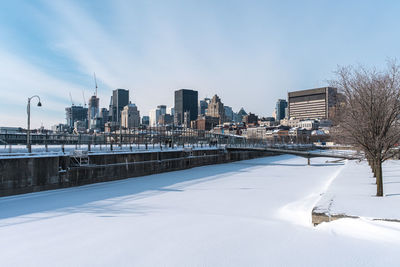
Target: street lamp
(28,109)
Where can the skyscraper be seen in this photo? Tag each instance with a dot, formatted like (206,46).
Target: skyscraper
(154,114)
(130,116)
(75,113)
(186,100)
(93,111)
(216,109)
(203,105)
(119,99)
(145,120)
(280,108)
(163,109)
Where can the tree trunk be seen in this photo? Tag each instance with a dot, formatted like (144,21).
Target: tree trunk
(379,178)
(374,167)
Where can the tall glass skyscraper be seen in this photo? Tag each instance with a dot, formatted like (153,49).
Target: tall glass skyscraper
(186,100)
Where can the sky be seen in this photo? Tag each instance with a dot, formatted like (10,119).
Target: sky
(250,53)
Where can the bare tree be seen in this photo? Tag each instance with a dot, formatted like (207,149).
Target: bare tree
(369,115)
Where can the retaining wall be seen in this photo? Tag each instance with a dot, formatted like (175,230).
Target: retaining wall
(31,174)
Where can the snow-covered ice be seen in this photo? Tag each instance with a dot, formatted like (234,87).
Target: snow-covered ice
(248,213)
(353,192)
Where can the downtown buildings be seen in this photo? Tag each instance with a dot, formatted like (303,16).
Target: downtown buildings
(121,113)
(296,113)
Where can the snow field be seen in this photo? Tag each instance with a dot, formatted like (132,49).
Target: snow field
(247,213)
(353,192)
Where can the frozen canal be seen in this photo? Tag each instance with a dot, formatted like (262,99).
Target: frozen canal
(248,213)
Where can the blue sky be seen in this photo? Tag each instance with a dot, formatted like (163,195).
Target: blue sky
(248,52)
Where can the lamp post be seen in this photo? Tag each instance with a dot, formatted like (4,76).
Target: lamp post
(28,140)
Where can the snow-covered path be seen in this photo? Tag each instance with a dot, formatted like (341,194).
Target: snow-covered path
(248,213)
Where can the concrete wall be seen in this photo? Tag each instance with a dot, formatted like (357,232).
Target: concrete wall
(24,175)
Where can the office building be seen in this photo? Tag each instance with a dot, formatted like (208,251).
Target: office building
(165,119)
(93,111)
(130,116)
(216,109)
(186,100)
(146,120)
(206,123)
(74,114)
(203,105)
(163,109)
(280,109)
(228,113)
(171,111)
(316,103)
(155,114)
(119,99)
(186,119)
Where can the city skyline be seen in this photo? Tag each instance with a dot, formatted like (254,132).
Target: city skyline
(249,54)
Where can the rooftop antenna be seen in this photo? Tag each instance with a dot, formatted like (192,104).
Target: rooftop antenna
(83,94)
(95,82)
(70,97)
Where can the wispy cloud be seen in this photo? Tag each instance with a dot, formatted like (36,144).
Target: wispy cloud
(144,50)
(250,53)
(20,80)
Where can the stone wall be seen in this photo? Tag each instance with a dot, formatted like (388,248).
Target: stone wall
(31,174)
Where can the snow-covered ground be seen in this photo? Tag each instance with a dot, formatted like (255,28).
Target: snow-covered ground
(353,192)
(247,213)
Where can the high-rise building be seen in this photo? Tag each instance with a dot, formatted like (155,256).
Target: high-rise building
(228,113)
(280,108)
(171,111)
(75,113)
(203,105)
(104,115)
(316,103)
(93,110)
(186,100)
(216,109)
(145,120)
(130,116)
(155,114)
(119,99)
(163,109)
(186,119)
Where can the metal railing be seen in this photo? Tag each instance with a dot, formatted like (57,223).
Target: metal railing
(160,138)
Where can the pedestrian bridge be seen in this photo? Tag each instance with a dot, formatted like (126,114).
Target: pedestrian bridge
(337,154)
